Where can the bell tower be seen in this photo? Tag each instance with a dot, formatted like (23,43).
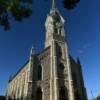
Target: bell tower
(61,84)
(54,26)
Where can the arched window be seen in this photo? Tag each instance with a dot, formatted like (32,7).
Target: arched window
(61,70)
(39,72)
(61,66)
(63,94)
(60,51)
(39,94)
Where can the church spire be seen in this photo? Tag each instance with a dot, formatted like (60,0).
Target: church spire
(53,5)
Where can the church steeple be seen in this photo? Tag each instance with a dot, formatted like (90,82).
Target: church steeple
(55,38)
(54,25)
(53,5)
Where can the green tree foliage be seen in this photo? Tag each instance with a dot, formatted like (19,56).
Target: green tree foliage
(98,98)
(70,4)
(17,10)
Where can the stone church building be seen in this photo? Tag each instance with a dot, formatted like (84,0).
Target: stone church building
(52,74)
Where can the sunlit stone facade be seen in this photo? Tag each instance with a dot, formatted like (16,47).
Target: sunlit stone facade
(52,74)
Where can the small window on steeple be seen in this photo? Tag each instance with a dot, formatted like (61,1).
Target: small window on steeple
(63,94)
(39,72)
(61,68)
(59,51)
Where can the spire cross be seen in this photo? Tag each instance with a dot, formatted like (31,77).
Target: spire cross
(53,4)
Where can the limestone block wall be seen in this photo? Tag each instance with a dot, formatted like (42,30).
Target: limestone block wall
(17,86)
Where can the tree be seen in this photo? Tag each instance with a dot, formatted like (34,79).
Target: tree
(15,10)
(18,10)
(70,4)
(98,98)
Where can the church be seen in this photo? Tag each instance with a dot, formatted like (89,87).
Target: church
(51,74)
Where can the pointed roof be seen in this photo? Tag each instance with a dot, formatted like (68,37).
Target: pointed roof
(54,12)
(53,5)
(32,52)
(53,8)
(78,61)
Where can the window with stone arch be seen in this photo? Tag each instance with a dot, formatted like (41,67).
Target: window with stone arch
(39,94)
(59,50)
(61,68)
(63,94)
(61,65)
(39,72)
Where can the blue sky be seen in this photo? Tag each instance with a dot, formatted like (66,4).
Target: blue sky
(82,28)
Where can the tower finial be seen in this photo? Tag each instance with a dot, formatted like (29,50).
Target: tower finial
(32,50)
(53,4)
(78,60)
